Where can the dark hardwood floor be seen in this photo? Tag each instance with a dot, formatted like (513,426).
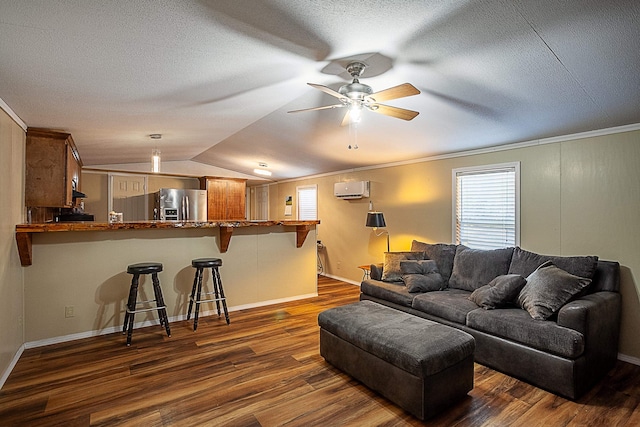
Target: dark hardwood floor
(264,370)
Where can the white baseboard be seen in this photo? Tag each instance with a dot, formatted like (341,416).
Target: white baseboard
(629,359)
(12,365)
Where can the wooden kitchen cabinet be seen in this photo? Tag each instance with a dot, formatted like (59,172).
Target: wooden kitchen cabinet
(225,198)
(52,168)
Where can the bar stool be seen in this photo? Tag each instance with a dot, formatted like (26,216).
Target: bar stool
(196,292)
(152,268)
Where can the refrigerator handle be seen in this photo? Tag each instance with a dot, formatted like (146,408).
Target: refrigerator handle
(186,208)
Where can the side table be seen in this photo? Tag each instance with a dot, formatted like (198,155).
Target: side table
(366,270)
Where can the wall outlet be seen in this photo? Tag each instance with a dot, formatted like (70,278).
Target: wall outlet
(339,265)
(68,311)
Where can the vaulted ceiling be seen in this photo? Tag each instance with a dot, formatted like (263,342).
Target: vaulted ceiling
(217,78)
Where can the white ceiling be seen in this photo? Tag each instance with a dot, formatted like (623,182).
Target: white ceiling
(216,78)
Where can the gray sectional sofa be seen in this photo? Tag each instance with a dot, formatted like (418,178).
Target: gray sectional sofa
(551,321)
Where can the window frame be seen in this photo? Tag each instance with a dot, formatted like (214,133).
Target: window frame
(306,187)
(471,170)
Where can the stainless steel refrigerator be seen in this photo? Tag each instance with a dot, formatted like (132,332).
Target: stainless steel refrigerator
(175,204)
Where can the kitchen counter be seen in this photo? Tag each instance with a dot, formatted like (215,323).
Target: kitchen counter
(24,232)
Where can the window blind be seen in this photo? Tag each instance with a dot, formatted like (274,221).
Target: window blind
(307,203)
(486,208)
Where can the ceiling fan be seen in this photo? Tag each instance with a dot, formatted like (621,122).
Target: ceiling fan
(356,96)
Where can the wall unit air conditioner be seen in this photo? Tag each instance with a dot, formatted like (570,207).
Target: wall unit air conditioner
(351,189)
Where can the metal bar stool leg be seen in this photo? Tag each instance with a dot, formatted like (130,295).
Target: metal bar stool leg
(162,307)
(133,291)
(215,276)
(199,274)
(131,307)
(193,294)
(217,283)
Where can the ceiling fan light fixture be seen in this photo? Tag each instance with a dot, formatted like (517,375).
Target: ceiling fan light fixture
(355,112)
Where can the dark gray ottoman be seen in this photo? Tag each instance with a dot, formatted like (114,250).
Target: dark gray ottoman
(420,365)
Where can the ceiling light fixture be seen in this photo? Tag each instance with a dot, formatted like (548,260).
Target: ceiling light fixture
(262,172)
(155,160)
(155,154)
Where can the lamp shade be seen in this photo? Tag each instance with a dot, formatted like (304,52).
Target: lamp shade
(375,219)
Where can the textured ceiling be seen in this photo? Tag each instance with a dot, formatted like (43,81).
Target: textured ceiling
(216,78)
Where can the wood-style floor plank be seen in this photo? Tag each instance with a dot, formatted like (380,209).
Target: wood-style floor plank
(264,369)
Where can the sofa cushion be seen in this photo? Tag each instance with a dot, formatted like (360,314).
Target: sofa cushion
(474,268)
(450,304)
(442,253)
(517,325)
(500,292)
(524,263)
(421,275)
(391,270)
(395,292)
(548,289)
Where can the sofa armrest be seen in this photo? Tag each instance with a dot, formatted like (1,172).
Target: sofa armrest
(597,317)
(376,271)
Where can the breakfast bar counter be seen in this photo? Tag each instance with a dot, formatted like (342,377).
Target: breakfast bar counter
(84,266)
(24,232)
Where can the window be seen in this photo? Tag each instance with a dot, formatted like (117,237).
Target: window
(486,206)
(307,202)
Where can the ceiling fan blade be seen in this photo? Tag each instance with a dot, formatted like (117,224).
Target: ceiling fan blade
(327,90)
(326,107)
(400,91)
(399,113)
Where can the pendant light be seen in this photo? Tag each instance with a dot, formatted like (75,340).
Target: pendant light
(155,154)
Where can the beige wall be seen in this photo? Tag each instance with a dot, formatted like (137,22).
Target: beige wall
(578,197)
(12,143)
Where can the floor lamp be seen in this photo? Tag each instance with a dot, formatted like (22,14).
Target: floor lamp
(376,220)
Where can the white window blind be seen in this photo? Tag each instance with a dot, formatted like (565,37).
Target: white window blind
(486,206)
(307,202)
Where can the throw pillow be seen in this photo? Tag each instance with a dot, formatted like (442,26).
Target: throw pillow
(474,268)
(421,275)
(425,266)
(500,292)
(442,253)
(423,282)
(524,263)
(548,289)
(391,270)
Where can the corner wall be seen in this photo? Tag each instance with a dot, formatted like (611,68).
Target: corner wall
(12,143)
(578,197)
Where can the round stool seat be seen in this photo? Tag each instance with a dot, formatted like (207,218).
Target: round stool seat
(206,262)
(144,268)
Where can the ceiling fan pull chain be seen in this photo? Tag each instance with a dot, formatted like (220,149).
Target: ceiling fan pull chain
(353,134)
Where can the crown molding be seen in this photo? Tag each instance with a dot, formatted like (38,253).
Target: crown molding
(12,114)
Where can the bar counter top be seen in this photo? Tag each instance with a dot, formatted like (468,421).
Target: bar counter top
(24,232)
